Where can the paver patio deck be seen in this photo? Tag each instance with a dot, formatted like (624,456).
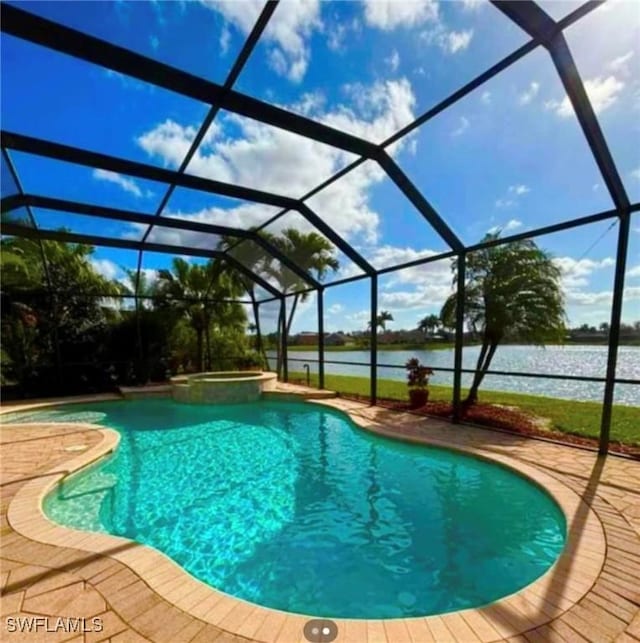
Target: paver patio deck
(591,594)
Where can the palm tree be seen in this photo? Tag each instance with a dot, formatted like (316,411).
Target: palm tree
(193,289)
(146,286)
(312,253)
(429,324)
(510,290)
(254,257)
(382,319)
(308,250)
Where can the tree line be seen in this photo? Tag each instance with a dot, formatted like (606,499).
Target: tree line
(56,312)
(67,328)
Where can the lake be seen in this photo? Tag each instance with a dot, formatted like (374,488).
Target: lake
(582,360)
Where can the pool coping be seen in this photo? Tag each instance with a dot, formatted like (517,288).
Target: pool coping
(539,603)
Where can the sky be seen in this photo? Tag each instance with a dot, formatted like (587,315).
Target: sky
(509,156)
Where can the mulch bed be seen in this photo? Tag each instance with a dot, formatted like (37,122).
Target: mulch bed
(503,418)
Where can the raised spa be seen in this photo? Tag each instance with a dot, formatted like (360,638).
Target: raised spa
(291,506)
(218,387)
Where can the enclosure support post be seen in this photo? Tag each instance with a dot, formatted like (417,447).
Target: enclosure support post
(321,338)
(373,358)
(457,360)
(614,330)
(283,339)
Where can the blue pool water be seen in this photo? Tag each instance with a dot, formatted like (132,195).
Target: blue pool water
(290,506)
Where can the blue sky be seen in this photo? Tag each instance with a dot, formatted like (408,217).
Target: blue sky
(510,155)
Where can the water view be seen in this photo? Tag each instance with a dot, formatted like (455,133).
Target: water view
(581,360)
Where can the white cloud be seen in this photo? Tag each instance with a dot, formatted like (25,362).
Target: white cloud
(107,268)
(272,159)
(336,35)
(619,64)
(486,97)
(377,111)
(511,198)
(361,316)
(243,216)
(634,272)
(225,39)
(287,31)
(450,42)
(576,273)
(128,185)
(602,92)
(462,127)
(385,256)
(635,174)
(393,60)
(473,5)
(530,93)
(584,298)
(455,41)
(512,224)
(335,309)
(390,14)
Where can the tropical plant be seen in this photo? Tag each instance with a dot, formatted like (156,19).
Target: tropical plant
(197,292)
(312,253)
(54,307)
(381,320)
(253,257)
(429,324)
(510,290)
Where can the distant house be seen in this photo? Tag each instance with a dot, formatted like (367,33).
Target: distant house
(335,339)
(305,338)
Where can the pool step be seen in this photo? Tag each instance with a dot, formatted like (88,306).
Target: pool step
(142,392)
(295,391)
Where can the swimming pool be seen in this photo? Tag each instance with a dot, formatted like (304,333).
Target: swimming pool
(290,506)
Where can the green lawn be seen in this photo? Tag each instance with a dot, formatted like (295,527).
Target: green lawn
(568,416)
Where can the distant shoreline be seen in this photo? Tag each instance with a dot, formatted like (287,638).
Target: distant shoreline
(434,346)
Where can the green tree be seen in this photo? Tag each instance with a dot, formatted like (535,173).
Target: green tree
(312,253)
(511,291)
(429,324)
(308,250)
(57,310)
(381,320)
(254,257)
(197,291)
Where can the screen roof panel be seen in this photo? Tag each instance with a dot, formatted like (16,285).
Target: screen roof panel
(87,106)
(371,68)
(483,167)
(245,152)
(295,222)
(155,29)
(204,207)
(606,48)
(43,176)
(366,207)
(81,224)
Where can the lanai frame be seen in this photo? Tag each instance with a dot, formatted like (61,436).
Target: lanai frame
(543,32)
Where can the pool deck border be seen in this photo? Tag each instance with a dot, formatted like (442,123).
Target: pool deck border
(541,611)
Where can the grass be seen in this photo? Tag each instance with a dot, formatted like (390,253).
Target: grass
(567,416)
